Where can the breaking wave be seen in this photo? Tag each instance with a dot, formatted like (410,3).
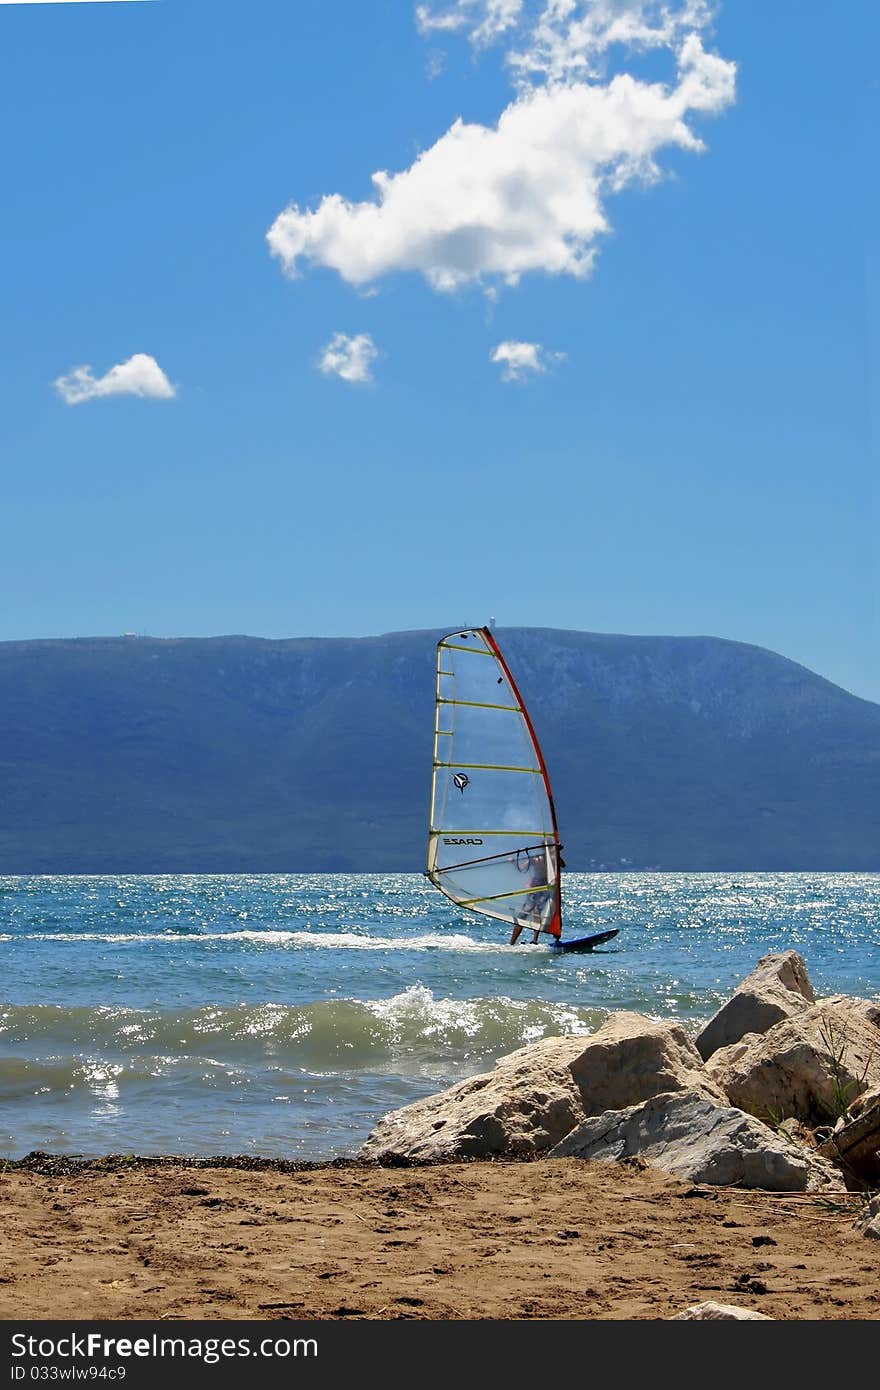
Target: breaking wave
(52,1046)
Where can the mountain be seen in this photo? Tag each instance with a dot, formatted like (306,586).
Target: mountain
(148,755)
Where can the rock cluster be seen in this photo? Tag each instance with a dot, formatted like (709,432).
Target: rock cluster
(779,1091)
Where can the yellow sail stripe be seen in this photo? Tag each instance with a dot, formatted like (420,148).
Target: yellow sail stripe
(518,893)
(491,767)
(479,704)
(533,834)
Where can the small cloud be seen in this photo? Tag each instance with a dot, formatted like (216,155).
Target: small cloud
(428,23)
(436,64)
(349,357)
(141,375)
(520,359)
(485,20)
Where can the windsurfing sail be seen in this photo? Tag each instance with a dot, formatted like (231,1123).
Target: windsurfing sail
(493,844)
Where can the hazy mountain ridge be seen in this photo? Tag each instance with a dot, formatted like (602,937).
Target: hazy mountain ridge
(237,753)
(748,686)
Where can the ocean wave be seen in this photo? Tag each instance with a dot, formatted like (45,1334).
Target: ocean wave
(412,1025)
(29,1076)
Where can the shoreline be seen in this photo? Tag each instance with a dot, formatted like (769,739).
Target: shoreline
(75,1165)
(232,1237)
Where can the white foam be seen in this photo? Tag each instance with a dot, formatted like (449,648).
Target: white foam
(269,937)
(417,1004)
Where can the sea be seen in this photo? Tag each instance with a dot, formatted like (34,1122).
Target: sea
(282,1015)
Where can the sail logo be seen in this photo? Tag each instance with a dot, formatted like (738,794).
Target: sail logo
(461,780)
(466,840)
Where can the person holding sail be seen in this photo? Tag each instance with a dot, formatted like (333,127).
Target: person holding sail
(535,867)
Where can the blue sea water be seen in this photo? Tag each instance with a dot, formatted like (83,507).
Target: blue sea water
(283,1015)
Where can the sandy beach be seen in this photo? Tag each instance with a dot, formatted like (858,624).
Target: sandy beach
(550,1239)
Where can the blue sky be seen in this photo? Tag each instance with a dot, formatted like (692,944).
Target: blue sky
(595,358)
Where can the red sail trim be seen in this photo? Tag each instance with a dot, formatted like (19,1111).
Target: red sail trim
(555,926)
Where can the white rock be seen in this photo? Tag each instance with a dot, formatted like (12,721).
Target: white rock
(696,1140)
(777,988)
(533,1097)
(810,1066)
(705,1311)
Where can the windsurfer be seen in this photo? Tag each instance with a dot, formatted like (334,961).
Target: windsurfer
(533,906)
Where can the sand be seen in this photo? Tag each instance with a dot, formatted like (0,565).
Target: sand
(548,1239)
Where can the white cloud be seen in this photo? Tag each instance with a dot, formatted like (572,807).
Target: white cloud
(488,204)
(141,375)
(484,20)
(351,358)
(561,40)
(571,41)
(519,360)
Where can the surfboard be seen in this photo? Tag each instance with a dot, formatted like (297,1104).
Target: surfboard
(586,943)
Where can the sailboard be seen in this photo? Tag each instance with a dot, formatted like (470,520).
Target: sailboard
(493,840)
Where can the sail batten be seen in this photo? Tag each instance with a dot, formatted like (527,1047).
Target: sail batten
(491,768)
(477,704)
(475,651)
(518,830)
(496,897)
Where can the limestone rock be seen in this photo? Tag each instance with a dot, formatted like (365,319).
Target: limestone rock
(869,1220)
(631,1058)
(524,1106)
(777,988)
(705,1311)
(810,1066)
(692,1138)
(533,1097)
